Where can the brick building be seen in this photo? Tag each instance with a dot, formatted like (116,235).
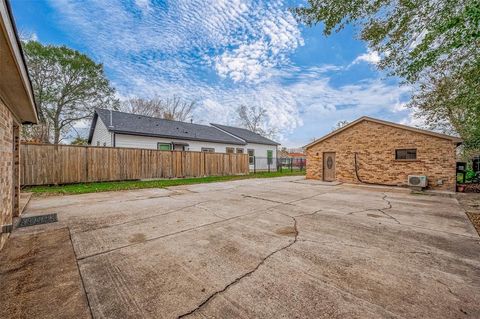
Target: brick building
(374,151)
(16,108)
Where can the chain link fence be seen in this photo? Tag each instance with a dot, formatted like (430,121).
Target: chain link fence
(280,164)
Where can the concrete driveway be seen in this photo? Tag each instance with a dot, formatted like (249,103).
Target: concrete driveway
(271,248)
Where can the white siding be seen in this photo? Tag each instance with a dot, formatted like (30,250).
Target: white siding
(124,140)
(101,134)
(261,156)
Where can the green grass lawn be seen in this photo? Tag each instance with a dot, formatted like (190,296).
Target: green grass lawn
(84,188)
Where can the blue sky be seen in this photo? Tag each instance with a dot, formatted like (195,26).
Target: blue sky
(223,54)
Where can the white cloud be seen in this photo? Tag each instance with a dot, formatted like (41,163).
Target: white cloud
(412,119)
(400,107)
(270,39)
(370,56)
(28,36)
(181,47)
(144,5)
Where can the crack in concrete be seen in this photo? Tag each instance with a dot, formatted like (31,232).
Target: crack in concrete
(380,210)
(385,198)
(247,274)
(310,214)
(447,286)
(361,211)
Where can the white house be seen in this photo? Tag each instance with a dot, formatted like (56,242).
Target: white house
(120,129)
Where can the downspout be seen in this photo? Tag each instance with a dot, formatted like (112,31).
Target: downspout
(365,182)
(110,127)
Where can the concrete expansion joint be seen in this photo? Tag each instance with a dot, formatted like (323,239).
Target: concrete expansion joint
(265,199)
(80,273)
(327,242)
(245,275)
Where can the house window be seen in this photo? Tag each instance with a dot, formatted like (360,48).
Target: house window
(230,150)
(270,156)
(164,147)
(98,143)
(251,156)
(406,154)
(239,150)
(208,150)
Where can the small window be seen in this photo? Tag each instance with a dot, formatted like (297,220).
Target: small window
(406,154)
(270,156)
(98,143)
(230,150)
(239,150)
(164,147)
(208,150)
(251,156)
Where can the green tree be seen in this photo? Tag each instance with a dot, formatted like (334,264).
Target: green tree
(434,45)
(67,85)
(79,141)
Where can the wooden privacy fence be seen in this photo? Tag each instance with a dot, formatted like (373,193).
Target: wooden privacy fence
(45,164)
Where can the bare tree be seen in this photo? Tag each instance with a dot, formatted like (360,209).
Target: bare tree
(178,109)
(174,108)
(254,118)
(141,106)
(340,124)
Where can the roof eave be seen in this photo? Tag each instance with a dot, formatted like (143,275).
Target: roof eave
(27,110)
(454,139)
(243,139)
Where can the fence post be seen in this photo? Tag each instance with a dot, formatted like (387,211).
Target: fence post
(204,163)
(86,163)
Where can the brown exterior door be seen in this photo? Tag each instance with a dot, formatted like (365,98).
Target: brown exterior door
(328,167)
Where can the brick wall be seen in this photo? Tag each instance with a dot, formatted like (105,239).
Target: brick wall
(6,169)
(375,144)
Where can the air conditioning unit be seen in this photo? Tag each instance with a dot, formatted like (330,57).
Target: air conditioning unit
(417,180)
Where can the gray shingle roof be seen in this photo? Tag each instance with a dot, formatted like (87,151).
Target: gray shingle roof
(128,123)
(246,135)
